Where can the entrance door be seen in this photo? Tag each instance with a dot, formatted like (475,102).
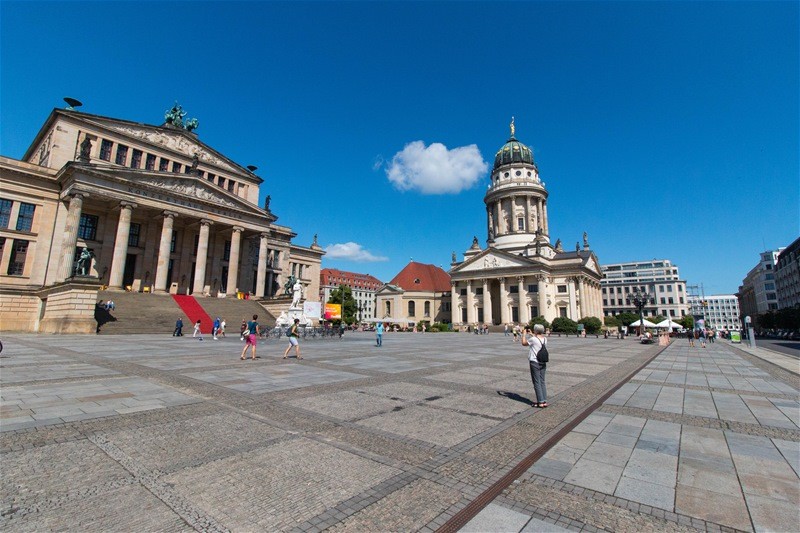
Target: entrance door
(223,282)
(494,289)
(190,288)
(480,315)
(515,314)
(169,273)
(130,270)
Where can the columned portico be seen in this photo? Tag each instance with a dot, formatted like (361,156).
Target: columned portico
(504,314)
(202,254)
(573,308)
(487,302)
(470,303)
(584,299)
(71,235)
(233,261)
(261,275)
(542,288)
(162,267)
(455,308)
(523,300)
(120,246)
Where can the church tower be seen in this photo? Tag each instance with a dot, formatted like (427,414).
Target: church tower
(516,200)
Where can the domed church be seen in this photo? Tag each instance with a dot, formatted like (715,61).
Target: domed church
(520,274)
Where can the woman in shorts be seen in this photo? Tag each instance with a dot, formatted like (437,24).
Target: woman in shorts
(251,334)
(293,335)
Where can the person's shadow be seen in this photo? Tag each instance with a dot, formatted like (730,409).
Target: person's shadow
(516,397)
(102,316)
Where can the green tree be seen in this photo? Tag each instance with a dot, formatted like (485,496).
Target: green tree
(538,320)
(656,319)
(563,324)
(686,321)
(349,309)
(626,318)
(612,322)
(591,324)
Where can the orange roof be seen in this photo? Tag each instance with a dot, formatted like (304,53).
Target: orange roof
(420,277)
(328,275)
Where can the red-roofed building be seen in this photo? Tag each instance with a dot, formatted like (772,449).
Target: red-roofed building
(363,287)
(418,293)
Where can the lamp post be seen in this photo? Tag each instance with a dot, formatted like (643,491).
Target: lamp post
(639,300)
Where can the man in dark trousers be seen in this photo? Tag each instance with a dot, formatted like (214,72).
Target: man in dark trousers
(178,328)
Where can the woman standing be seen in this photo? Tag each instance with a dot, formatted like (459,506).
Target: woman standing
(251,332)
(538,347)
(293,335)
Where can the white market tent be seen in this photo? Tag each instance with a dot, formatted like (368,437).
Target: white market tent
(647,324)
(668,324)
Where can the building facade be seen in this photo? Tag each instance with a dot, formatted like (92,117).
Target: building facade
(720,312)
(157,209)
(520,274)
(363,287)
(659,278)
(758,293)
(418,293)
(787,276)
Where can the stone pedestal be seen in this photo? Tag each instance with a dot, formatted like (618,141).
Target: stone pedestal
(69,307)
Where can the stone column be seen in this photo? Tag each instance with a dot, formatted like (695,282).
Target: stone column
(504,315)
(584,299)
(233,260)
(120,245)
(70,239)
(539,215)
(512,215)
(470,303)
(573,311)
(487,303)
(200,261)
(528,215)
(544,218)
(455,304)
(542,286)
(261,276)
(270,282)
(523,300)
(162,268)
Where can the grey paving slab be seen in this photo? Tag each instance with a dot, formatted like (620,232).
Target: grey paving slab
(493,517)
(383,363)
(259,379)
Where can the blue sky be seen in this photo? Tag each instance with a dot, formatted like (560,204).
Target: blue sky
(663,129)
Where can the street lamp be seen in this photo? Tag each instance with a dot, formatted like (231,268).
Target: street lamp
(639,300)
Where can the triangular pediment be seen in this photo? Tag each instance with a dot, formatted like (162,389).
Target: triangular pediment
(389,289)
(492,259)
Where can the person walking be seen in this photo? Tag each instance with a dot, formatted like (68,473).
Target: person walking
(215,329)
(178,328)
(197,332)
(293,342)
(243,330)
(252,338)
(538,349)
(702,333)
(379,334)
(505,330)
(222,327)
(690,336)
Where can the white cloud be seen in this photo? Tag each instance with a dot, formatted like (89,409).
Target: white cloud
(435,169)
(352,251)
(378,162)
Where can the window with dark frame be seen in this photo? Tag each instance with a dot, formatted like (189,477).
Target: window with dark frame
(163,165)
(133,234)
(87,227)
(122,154)
(5,212)
(25,217)
(105,150)
(19,251)
(172,242)
(150,162)
(136,158)
(176,167)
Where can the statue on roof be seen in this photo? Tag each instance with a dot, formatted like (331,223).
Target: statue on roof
(453,257)
(174,117)
(585,240)
(577,246)
(513,129)
(475,242)
(192,124)
(559,249)
(266,203)
(195,161)
(86,150)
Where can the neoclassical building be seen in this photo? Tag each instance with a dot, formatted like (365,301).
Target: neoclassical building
(520,274)
(159,210)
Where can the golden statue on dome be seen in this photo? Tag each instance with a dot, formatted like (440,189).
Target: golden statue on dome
(512,127)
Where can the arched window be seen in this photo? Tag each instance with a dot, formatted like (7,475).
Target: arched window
(412,308)
(427,309)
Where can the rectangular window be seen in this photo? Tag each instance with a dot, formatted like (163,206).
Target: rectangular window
(562,311)
(605,302)
(671,300)
(478,292)
(105,150)
(176,167)
(25,218)
(230,185)
(221,182)
(533,288)
(122,154)
(663,300)
(150,162)
(133,235)
(604,290)
(172,242)
(660,288)
(463,292)
(196,244)
(671,312)
(5,212)
(19,250)
(514,289)
(226,254)
(669,288)
(136,158)
(619,301)
(163,165)
(562,289)
(87,228)
(211,177)
(521,224)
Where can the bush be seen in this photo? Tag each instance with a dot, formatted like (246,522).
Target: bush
(612,322)
(626,318)
(563,324)
(439,327)
(538,320)
(591,324)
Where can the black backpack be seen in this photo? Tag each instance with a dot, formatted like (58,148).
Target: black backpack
(543,355)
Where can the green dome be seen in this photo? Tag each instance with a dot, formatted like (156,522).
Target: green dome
(513,152)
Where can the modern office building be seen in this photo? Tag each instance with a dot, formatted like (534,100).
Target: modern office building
(787,276)
(520,274)
(103,203)
(659,278)
(720,312)
(758,293)
(363,287)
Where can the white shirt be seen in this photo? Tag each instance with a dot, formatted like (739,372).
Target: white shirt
(535,345)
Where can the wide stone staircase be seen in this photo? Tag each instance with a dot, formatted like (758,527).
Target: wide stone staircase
(138,313)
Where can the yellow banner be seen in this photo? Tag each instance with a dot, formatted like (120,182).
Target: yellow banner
(333,311)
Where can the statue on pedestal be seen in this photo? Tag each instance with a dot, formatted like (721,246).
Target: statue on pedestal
(297,294)
(84,263)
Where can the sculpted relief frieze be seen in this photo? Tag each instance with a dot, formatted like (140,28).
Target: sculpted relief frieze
(190,189)
(178,143)
(491,262)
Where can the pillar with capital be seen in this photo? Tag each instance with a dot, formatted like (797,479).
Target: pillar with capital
(504,315)
(121,245)
(573,307)
(470,303)
(233,260)
(584,299)
(455,306)
(71,235)
(542,287)
(261,275)
(162,268)
(200,262)
(544,219)
(523,300)
(487,303)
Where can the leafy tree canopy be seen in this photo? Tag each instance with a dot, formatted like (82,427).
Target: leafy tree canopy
(591,324)
(564,325)
(349,309)
(539,320)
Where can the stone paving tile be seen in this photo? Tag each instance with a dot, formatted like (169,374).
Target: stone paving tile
(404,391)
(258,379)
(53,371)
(727,509)
(347,405)
(466,377)
(383,363)
(651,494)
(494,517)
(493,406)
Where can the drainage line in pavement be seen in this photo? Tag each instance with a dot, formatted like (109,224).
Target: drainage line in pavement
(460,519)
